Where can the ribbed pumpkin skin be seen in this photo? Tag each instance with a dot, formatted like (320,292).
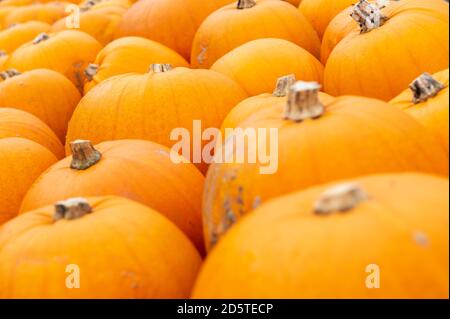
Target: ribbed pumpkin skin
(357,65)
(257,64)
(44,12)
(17,123)
(260,103)
(138,170)
(131,54)
(5,3)
(22,161)
(356,136)
(320,12)
(123,250)
(99,23)
(172,23)
(401,228)
(44,93)
(229,27)
(133,106)
(67,52)
(3,58)
(338,28)
(432,113)
(4,12)
(14,37)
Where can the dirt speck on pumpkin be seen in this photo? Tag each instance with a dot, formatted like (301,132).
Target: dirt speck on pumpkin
(421,238)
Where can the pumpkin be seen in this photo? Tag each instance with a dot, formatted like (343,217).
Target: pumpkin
(320,12)
(17,123)
(22,161)
(427,101)
(135,169)
(340,26)
(128,55)
(16,35)
(150,106)
(257,64)
(44,12)
(357,65)
(67,52)
(318,140)
(333,241)
(28,2)
(99,23)
(4,12)
(118,247)
(43,93)
(241,22)
(100,4)
(5,3)
(249,106)
(3,58)
(172,23)
(294,2)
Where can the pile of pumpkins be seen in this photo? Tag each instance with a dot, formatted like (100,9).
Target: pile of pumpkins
(90,92)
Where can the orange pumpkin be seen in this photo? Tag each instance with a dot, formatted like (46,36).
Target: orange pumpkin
(44,12)
(28,2)
(43,93)
(4,12)
(338,241)
(16,35)
(68,52)
(138,170)
(17,123)
(22,161)
(128,55)
(5,3)
(171,23)
(236,24)
(320,12)
(3,58)
(317,141)
(427,101)
(358,66)
(100,23)
(265,101)
(106,247)
(257,64)
(100,4)
(340,26)
(294,2)
(150,106)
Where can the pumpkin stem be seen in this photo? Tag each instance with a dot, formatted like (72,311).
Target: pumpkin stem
(160,68)
(283,84)
(84,155)
(424,87)
(88,5)
(72,208)
(340,198)
(303,102)
(368,16)
(9,74)
(91,71)
(40,38)
(246,4)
